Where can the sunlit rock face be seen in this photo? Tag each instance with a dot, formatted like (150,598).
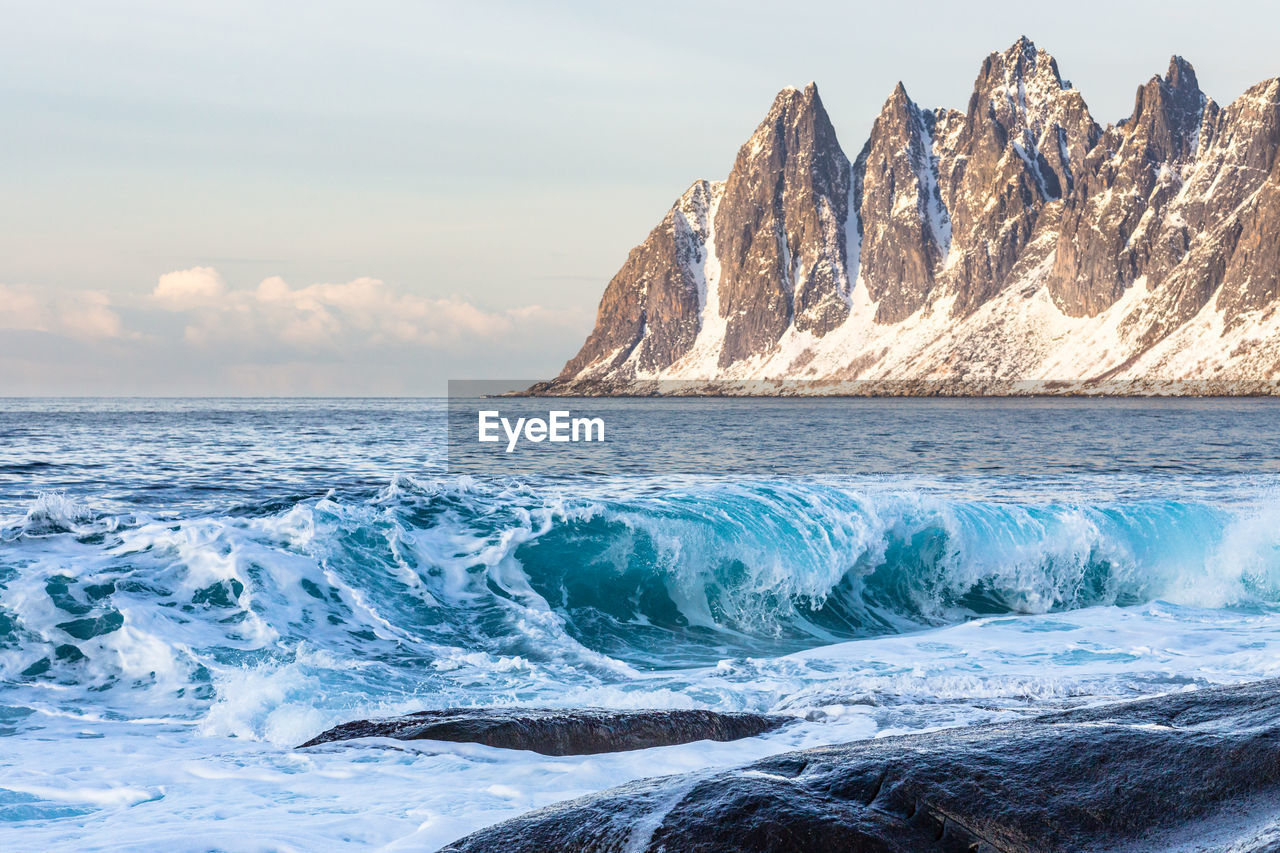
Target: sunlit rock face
(1015,242)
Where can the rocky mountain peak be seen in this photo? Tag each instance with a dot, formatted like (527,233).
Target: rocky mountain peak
(1166,113)
(1023,47)
(791,108)
(899,116)
(1014,240)
(1018,88)
(1181,74)
(896,187)
(1024,136)
(1133,176)
(1023,60)
(694,208)
(780,229)
(649,314)
(1231,211)
(1020,61)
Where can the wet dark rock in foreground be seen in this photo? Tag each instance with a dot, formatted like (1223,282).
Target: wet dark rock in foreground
(1199,768)
(560,732)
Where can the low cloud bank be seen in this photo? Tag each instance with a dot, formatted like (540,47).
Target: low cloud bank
(196,333)
(80,314)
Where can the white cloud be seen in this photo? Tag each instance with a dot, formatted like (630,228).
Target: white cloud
(190,288)
(195,333)
(80,314)
(362,313)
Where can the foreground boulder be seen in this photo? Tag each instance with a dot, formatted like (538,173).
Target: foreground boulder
(1200,767)
(556,732)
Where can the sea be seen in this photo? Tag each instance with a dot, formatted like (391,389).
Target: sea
(191,588)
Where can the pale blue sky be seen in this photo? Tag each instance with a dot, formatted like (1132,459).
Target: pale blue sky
(489,164)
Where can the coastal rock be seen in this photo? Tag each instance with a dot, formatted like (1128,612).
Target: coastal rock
(560,732)
(1200,766)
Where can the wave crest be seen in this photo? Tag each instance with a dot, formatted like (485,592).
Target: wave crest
(426,586)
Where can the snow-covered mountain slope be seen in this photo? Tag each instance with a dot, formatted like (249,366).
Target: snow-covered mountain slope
(1017,246)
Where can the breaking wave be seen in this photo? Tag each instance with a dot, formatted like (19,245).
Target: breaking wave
(411,590)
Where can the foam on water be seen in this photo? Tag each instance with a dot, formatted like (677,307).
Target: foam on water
(420,795)
(427,589)
(160,658)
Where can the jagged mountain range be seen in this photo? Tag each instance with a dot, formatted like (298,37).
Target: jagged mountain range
(1016,244)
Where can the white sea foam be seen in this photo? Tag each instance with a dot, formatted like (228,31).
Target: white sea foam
(423,794)
(159,672)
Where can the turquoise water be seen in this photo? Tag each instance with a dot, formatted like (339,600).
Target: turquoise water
(190,588)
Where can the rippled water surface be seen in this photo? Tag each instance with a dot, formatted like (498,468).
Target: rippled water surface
(189,588)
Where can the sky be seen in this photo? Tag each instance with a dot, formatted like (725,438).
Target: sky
(323,198)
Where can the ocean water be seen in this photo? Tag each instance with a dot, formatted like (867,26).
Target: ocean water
(191,588)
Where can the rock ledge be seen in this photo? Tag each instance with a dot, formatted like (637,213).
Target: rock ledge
(559,732)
